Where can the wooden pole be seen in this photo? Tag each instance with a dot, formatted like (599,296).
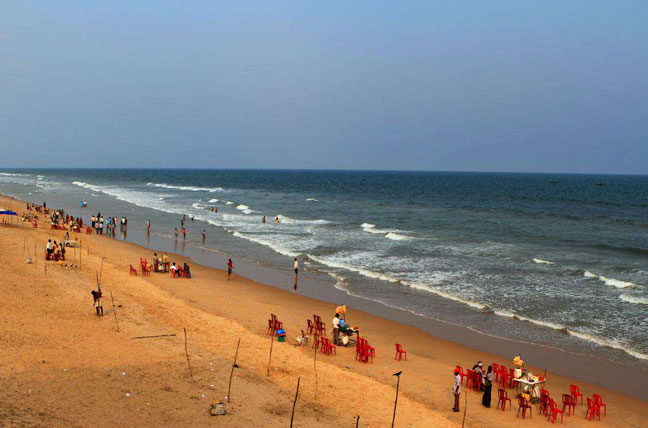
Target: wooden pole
(315,362)
(271,343)
(187,352)
(101,269)
(465,409)
(292,416)
(114,311)
(229,387)
(156,335)
(357,421)
(396,401)
(80,254)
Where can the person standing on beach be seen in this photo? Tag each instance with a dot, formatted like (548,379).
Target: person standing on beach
(184,233)
(230,266)
(296,267)
(148,226)
(487,380)
(175,230)
(456,389)
(204,235)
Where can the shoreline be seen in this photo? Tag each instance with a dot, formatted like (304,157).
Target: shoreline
(591,369)
(240,308)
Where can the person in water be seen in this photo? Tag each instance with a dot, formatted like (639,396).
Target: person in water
(204,235)
(175,230)
(263,220)
(277,220)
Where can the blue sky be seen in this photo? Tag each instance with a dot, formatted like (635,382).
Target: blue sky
(425,85)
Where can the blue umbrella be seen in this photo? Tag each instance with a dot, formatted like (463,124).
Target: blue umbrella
(7,212)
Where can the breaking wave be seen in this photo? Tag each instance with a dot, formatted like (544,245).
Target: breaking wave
(542,262)
(633,299)
(190,188)
(611,282)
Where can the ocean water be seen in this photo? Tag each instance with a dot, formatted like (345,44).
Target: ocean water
(548,259)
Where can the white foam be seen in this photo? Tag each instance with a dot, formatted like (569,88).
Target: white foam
(10,174)
(288,220)
(279,249)
(397,237)
(633,299)
(311,199)
(242,207)
(229,203)
(611,282)
(213,200)
(88,186)
(190,188)
(197,205)
(542,262)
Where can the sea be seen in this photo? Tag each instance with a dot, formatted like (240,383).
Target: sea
(554,259)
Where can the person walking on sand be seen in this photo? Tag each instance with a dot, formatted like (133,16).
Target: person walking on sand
(296,268)
(230,266)
(456,389)
(487,380)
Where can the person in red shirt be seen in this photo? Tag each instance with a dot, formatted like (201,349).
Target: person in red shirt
(184,233)
(230,266)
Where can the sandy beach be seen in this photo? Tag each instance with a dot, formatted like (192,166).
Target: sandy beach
(63,366)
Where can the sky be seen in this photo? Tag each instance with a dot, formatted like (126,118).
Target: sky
(513,85)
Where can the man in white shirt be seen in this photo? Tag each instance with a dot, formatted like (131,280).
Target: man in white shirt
(456,389)
(336,328)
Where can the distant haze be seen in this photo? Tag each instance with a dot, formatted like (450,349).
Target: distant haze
(424,85)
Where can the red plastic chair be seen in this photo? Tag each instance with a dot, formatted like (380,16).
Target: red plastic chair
(575,392)
(524,405)
(592,409)
(270,327)
(133,271)
(502,398)
(496,370)
(310,327)
(511,374)
(568,403)
(327,347)
(503,382)
(553,412)
(598,400)
(400,352)
(470,379)
(544,402)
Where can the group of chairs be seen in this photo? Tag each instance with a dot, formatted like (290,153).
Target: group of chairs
(551,409)
(273,325)
(364,352)
(316,326)
(548,406)
(144,267)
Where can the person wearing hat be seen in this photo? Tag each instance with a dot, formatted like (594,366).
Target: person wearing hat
(479,372)
(456,388)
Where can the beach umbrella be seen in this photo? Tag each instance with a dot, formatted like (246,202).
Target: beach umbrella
(7,212)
